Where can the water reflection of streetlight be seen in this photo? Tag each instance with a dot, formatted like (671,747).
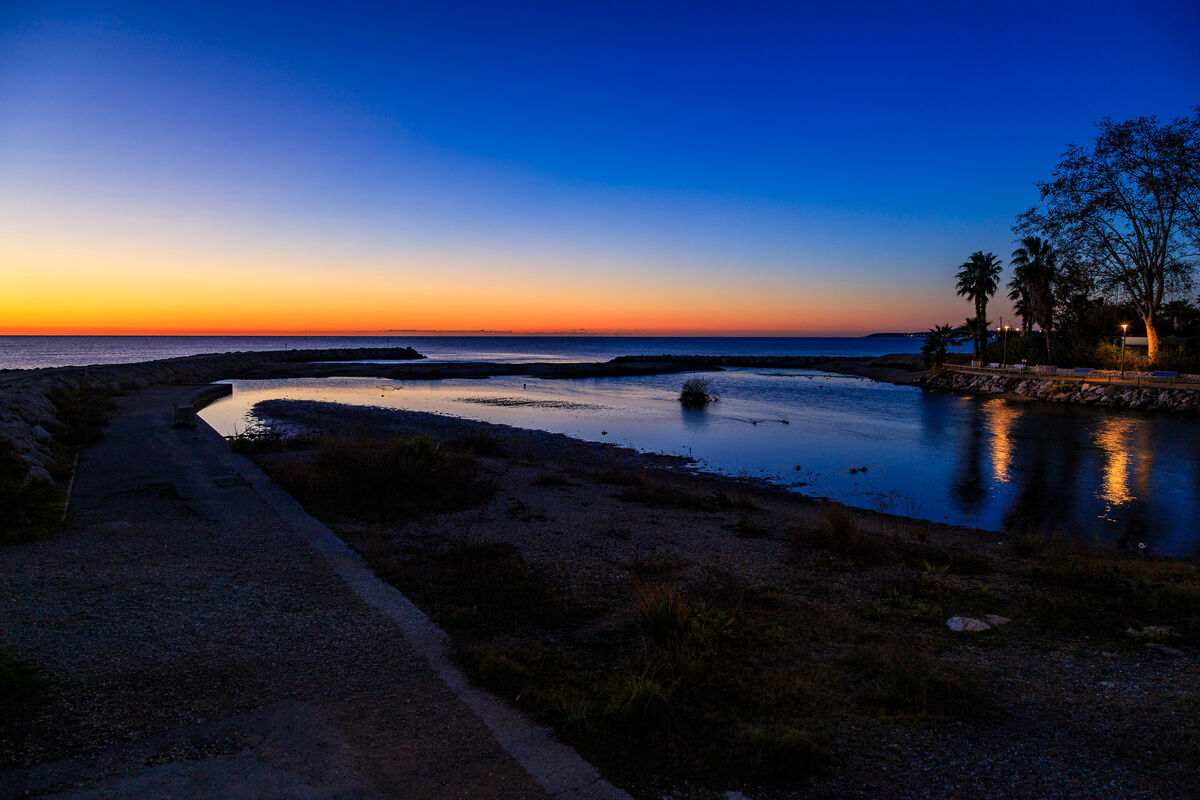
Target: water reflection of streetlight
(1124,329)
(1114,440)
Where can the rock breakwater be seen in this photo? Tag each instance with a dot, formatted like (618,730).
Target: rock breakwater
(1147,397)
(29,417)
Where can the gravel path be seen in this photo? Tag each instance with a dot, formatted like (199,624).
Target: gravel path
(197,646)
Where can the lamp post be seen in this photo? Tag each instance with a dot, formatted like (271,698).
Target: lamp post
(1004,360)
(1124,329)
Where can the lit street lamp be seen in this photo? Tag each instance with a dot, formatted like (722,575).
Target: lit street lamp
(1124,329)
(1004,360)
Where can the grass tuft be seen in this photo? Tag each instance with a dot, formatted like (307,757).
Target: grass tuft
(664,615)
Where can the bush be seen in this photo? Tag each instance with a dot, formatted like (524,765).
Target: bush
(355,475)
(697,392)
(1107,355)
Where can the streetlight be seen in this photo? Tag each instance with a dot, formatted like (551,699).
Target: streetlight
(1004,360)
(1124,329)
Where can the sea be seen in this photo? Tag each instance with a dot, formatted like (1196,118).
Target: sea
(1113,477)
(31,352)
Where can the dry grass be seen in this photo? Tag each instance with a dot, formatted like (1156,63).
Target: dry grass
(681,679)
(358,475)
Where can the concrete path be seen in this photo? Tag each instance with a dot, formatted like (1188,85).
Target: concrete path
(206,638)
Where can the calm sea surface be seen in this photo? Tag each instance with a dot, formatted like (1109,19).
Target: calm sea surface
(25,352)
(1102,475)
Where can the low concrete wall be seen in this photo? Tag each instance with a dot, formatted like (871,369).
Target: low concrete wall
(1069,389)
(27,415)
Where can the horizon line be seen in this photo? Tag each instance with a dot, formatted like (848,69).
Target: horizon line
(399,332)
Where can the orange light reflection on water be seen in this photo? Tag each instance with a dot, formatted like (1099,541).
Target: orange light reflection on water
(999,417)
(1114,438)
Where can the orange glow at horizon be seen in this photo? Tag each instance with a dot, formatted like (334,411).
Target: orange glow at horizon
(69,292)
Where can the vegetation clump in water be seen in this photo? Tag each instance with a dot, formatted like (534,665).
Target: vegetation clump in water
(697,392)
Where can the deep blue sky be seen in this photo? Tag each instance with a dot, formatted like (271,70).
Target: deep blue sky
(560,158)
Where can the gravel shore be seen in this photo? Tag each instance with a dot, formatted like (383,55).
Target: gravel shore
(1083,710)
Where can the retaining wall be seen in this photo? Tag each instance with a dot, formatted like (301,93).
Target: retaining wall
(1096,391)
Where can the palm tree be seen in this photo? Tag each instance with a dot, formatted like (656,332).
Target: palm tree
(1035,264)
(977,280)
(939,339)
(976,328)
(1018,292)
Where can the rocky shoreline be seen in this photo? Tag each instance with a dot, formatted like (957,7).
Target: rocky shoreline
(28,416)
(1152,397)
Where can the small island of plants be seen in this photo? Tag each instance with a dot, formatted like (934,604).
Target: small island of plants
(697,392)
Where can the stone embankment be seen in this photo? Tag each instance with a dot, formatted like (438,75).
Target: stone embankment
(1145,396)
(28,416)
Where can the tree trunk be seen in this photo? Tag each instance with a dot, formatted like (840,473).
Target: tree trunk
(1049,353)
(981,328)
(1151,337)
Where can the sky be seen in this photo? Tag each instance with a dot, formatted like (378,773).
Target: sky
(732,168)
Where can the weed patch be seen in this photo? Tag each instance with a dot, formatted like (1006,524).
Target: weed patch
(899,678)
(1132,593)
(478,443)
(841,538)
(357,475)
(661,494)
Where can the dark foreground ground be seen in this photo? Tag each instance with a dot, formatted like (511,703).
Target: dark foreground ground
(189,643)
(695,635)
(689,634)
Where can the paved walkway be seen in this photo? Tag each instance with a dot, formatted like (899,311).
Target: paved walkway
(206,638)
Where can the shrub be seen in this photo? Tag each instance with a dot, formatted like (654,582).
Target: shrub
(697,392)
(664,615)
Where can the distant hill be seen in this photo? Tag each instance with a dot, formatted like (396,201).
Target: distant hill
(917,335)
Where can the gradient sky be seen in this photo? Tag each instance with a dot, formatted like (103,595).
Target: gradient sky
(641,167)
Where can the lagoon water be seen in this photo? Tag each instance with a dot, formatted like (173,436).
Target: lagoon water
(1107,476)
(1104,475)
